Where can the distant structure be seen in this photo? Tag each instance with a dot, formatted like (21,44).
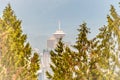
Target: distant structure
(52,41)
(45,57)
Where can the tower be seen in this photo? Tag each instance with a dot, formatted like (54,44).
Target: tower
(59,33)
(53,40)
(51,44)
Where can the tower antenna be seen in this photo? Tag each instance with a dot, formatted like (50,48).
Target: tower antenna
(59,24)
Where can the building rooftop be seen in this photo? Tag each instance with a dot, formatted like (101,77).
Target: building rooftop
(59,32)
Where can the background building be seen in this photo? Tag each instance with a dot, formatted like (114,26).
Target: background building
(45,56)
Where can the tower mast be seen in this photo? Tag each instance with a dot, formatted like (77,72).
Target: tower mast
(59,24)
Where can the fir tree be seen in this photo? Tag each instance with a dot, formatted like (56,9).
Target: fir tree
(114,23)
(56,58)
(61,63)
(82,45)
(86,56)
(114,28)
(16,54)
(96,59)
(107,48)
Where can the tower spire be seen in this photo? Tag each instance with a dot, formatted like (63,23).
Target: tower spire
(59,24)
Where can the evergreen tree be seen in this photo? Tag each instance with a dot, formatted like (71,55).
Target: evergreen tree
(86,56)
(16,54)
(69,65)
(107,48)
(114,28)
(96,59)
(82,45)
(56,58)
(114,23)
(61,63)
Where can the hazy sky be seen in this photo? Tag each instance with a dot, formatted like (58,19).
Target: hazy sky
(40,17)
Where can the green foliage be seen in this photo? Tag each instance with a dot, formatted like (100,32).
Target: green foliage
(81,46)
(61,63)
(86,56)
(114,28)
(105,50)
(56,58)
(114,23)
(16,59)
(95,59)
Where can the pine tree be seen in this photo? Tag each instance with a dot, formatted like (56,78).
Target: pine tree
(81,46)
(114,28)
(16,53)
(61,63)
(96,59)
(86,56)
(114,22)
(107,48)
(56,58)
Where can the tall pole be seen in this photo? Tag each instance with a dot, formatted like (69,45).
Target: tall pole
(59,24)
